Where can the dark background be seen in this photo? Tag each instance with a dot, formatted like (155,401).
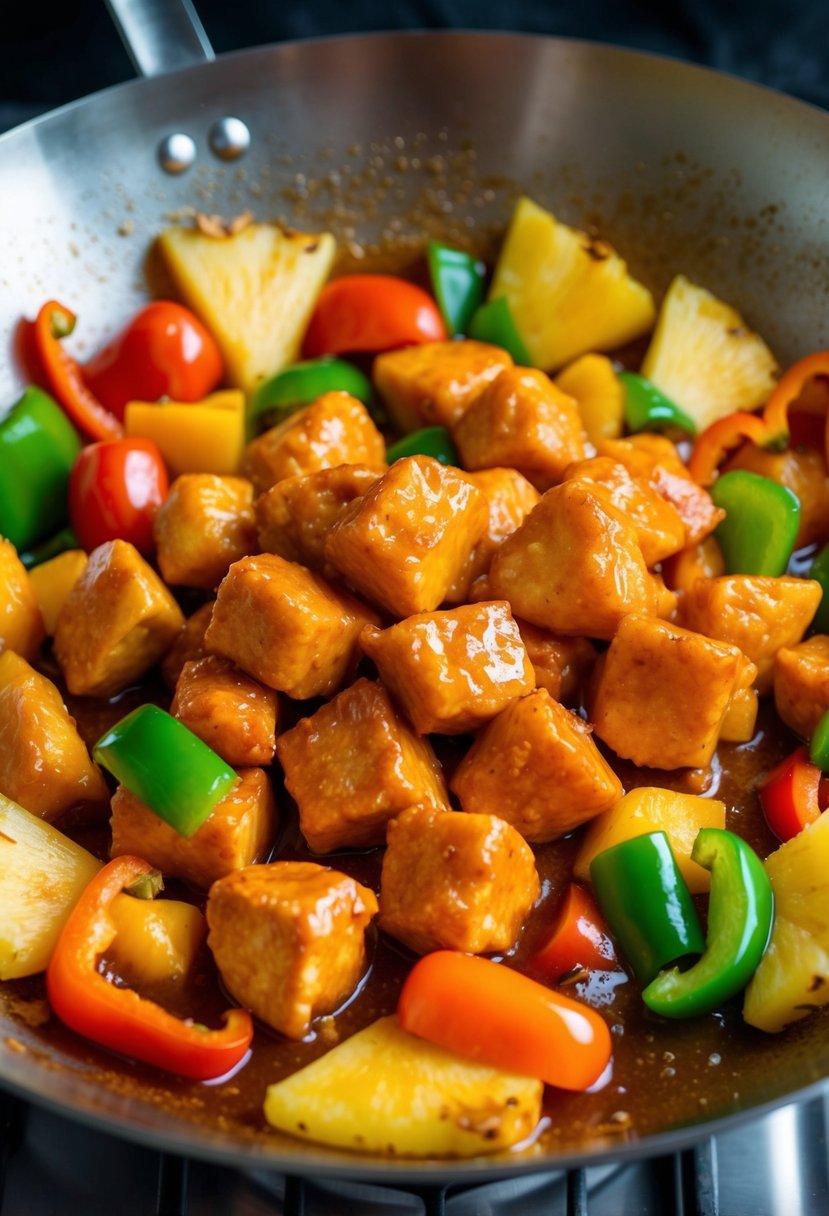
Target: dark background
(54,52)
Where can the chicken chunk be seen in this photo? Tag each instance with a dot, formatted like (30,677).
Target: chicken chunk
(204,525)
(760,615)
(21,624)
(404,543)
(335,429)
(433,383)
(286,627)
(801,684)
(510,498)
(452,671)
(456,882)
(536,766)
(295,516)
(188,646)
(44,764)
(289,940)
(561,665)
(354,765)
(574,566)
(239,831)
(118,620)
(232,713)
(663,692)
(522,420)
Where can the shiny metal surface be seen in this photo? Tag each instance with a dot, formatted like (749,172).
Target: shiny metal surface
(682,169)
(160,35)
(229,138)
(177,152)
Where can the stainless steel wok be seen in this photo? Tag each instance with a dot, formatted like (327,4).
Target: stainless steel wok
(396,136)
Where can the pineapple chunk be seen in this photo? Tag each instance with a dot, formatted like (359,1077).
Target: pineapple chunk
(42,874)
(704,357)
(793,977)
(568,294)
(386,1091)
(598,393)
(254,291)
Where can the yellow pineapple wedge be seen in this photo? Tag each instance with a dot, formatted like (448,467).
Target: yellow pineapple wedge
(42,874)
(386,1091)
(255,291)
(793,977)
(567,293)
(704,357)
(598,393)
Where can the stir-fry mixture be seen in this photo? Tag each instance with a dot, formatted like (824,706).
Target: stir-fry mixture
(407,624)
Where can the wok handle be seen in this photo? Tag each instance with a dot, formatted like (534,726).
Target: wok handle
(161,35)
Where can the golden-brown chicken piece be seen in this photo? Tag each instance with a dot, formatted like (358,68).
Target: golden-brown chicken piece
(561,665)
(239,831)
(658,527)
(118,620)
(801,684)
(44,764)
(510,498)
(21,624)
(204,525)
(404,543)
(759,615)
(456,882)
(573,567)
(452,671)
(289,940)
(295,516)
(335,429)
(522,420)
(188,646)
(536,766)
(286,627)
(662,693)
(232,713)
(354,765)
(433,383)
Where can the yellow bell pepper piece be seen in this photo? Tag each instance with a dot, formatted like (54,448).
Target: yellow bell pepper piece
(205,436)
(650,809)
(599,395)
(53,580)
(157,939)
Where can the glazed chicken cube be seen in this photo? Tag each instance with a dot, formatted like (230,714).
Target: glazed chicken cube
(232,713)
(204,525)
(801,684)
(21,623)
(434,383)
(289,940)
(522,420)
(239,831)
(119,619)
(285,626)
(188,646)
(453,881)
(662,693)
(452,671)
(536,766)
(510,498)
(561,665)
(335,429)
(354,765)
(404,543)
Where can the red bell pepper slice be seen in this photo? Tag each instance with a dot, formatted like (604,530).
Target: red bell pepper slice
(119,1018)
(790,795)
(578,939)
(65,377)
(371,313)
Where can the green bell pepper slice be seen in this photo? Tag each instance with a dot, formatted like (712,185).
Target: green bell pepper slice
(164,764)
(648,409)
(430,441)
(38,446)
(740,917)
(297,386)
(67,538)
(646,903)
(493,322)
(759,532)
(457,283)
(819,747)
(819,570)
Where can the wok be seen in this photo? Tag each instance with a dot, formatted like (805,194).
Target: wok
(396,136)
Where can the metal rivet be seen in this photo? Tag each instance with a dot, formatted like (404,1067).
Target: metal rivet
(176,152)
(229,138)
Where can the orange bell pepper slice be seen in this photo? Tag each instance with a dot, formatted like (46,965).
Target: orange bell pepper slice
(578,938)
(64,375)
(119,1018)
